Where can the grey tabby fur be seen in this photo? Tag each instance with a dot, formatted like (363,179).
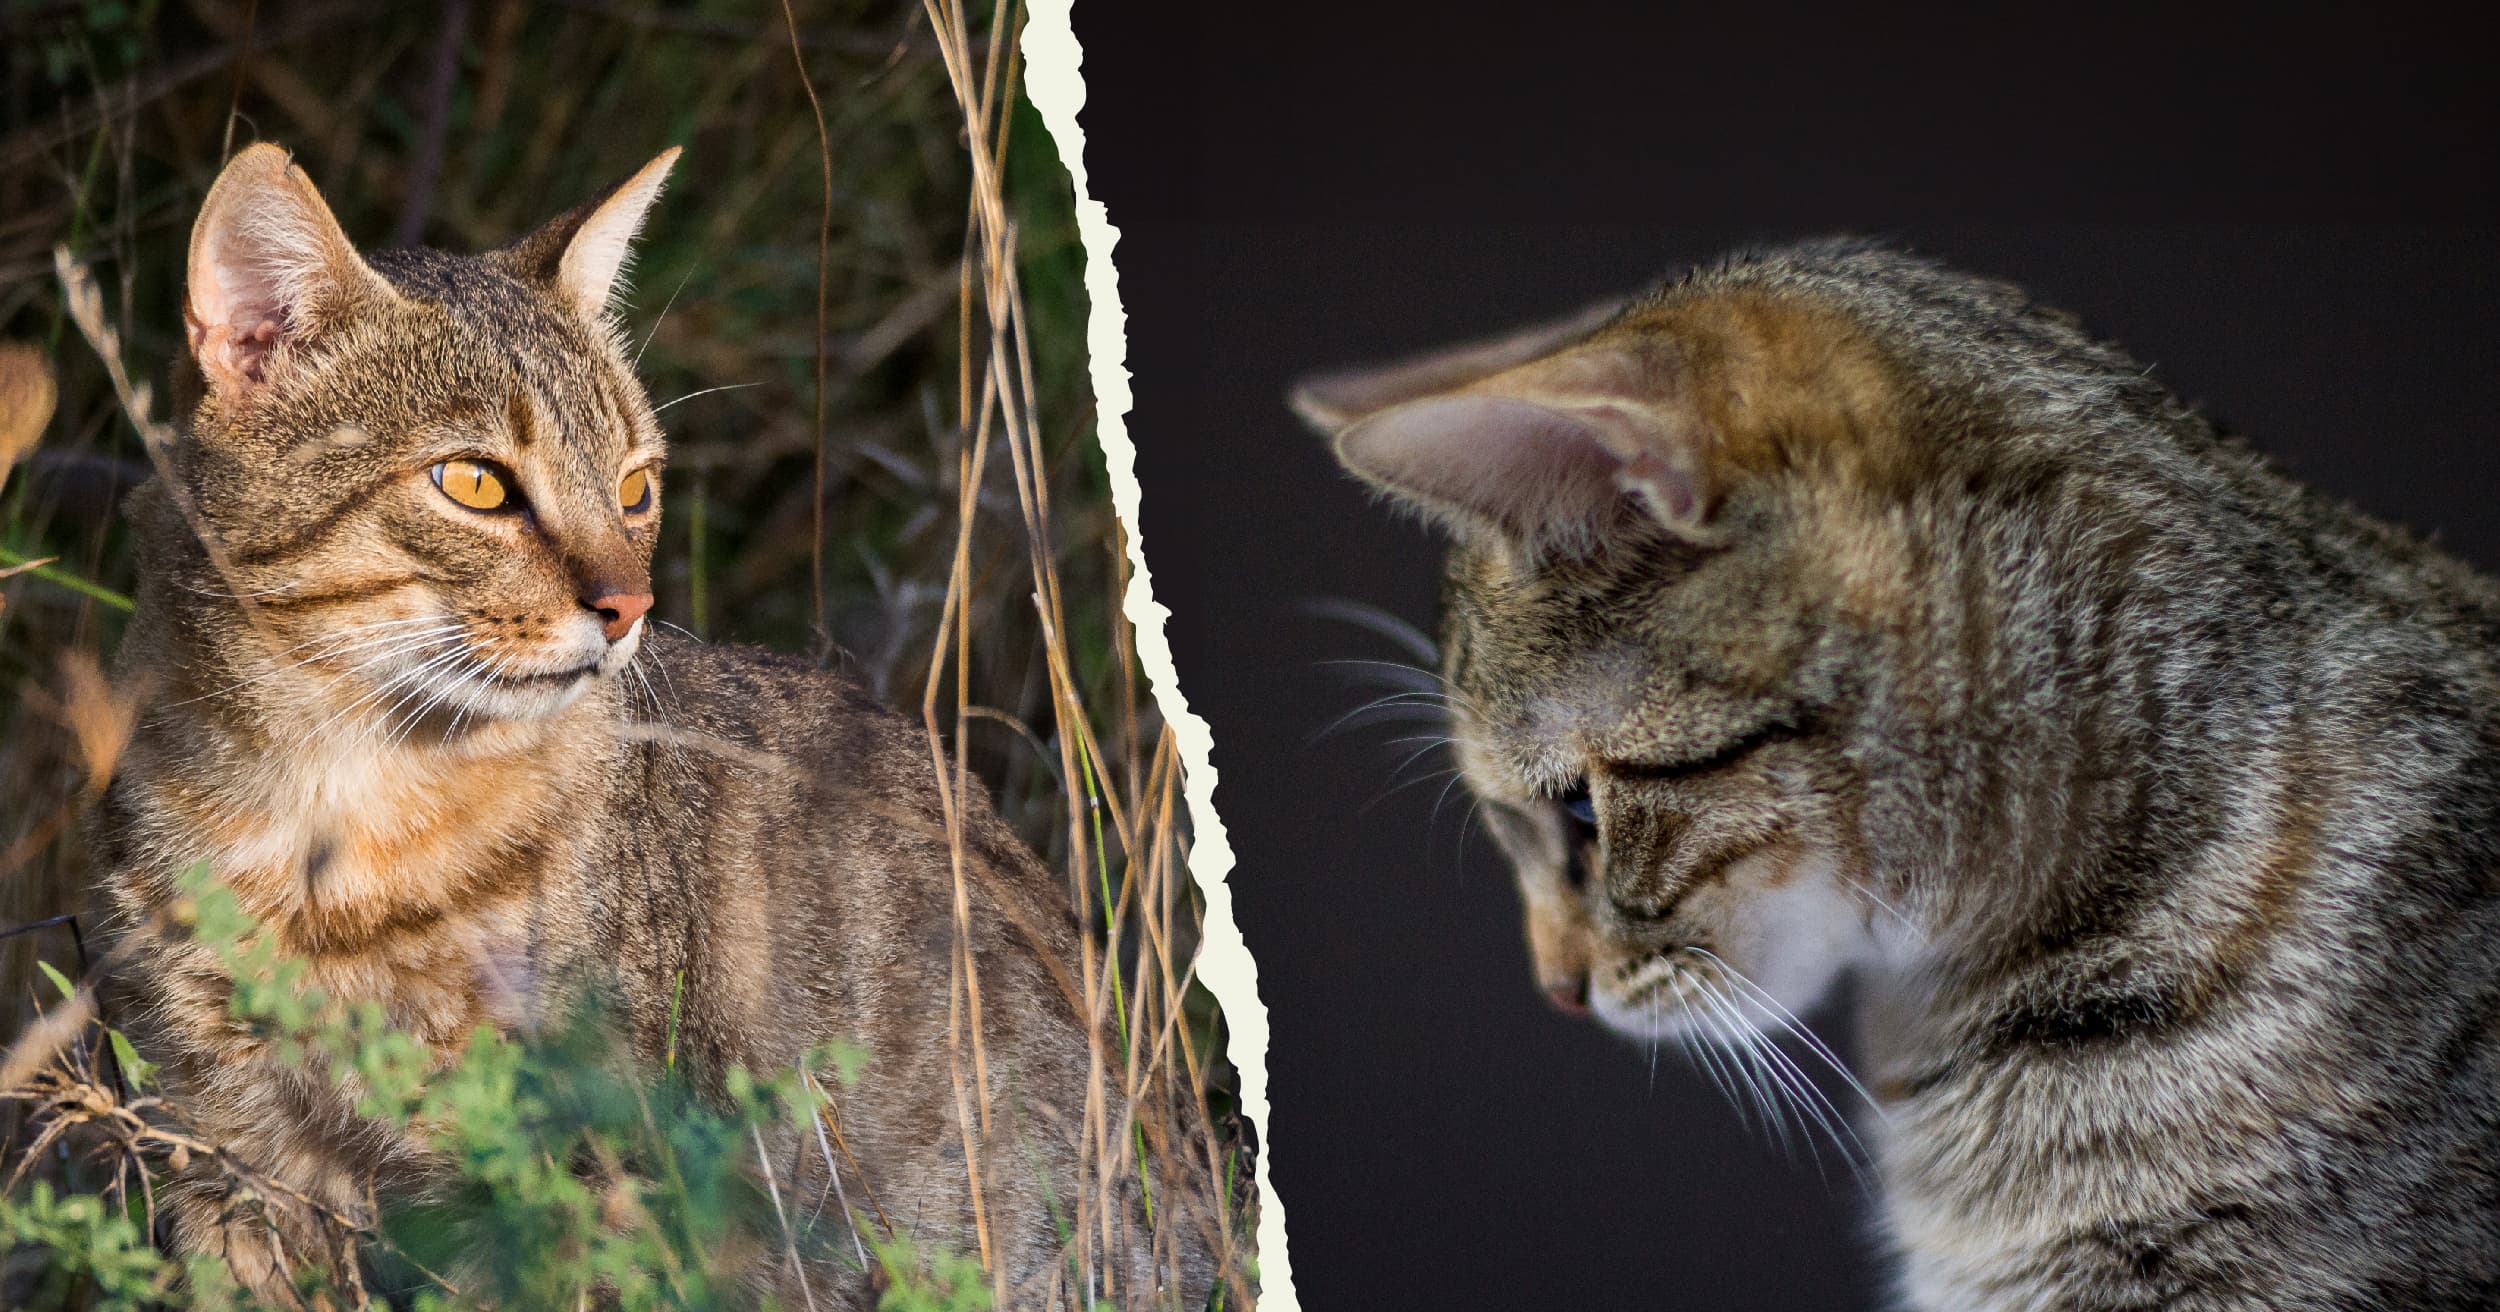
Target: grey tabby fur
(1894,625)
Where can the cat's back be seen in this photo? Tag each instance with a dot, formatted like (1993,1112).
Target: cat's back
(804,827)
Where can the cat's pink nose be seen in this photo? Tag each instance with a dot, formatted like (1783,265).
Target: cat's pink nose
(1570,997)
(619,610)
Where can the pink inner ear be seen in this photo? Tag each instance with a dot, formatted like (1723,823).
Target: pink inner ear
(1533,471)
(234,315)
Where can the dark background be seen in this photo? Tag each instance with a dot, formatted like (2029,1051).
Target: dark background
(2292,224)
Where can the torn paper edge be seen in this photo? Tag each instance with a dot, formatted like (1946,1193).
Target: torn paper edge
(1054,81)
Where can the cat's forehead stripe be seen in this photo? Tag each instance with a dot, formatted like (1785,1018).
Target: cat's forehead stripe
(522,416)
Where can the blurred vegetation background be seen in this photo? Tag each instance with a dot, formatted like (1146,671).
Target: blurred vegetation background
(463,125)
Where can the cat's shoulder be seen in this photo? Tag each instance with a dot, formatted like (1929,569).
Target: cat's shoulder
(768,701)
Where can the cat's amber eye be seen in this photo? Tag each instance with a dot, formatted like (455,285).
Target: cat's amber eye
(635,493)
(474,483)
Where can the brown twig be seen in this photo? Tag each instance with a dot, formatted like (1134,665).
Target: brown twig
(824,258)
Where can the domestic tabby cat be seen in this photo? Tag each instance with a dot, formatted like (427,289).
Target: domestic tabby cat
(1829,611)
(407,703)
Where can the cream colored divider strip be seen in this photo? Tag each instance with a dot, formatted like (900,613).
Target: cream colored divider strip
(1056,83)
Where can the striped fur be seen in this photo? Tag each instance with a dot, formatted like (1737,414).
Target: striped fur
(1895,626)
(395,730)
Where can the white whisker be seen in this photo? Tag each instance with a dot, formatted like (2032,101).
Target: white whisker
(663,315)
(1392,701)
(331,646)
(725,387)
(456,647)
(1783,1076)
(1794,1024)
(418,679)
(1372,619)
(1740,1067)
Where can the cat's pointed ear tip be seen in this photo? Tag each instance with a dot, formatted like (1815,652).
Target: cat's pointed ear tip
(259,155)
(258,165)
(1311,402)
(648,180)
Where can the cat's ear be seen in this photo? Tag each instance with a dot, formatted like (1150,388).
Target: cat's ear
(1552,453)
(1329,402)
(579,254)
(269,269)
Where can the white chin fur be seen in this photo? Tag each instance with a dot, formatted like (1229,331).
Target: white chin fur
(1791,940)
(476,695)
(505,701)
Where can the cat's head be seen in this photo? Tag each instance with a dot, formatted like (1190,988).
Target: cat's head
(421,474)
(1680,526)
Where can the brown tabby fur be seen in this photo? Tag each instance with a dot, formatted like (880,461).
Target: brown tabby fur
(1886,623)
(487,815)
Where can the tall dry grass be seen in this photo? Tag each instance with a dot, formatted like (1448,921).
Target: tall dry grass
(863,315)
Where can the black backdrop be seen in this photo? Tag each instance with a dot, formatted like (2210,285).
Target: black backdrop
(2294,225)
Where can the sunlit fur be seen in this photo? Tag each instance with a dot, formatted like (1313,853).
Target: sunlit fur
(1897,627)
(395,728)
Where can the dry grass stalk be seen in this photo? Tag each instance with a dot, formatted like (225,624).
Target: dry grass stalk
(1130,1091)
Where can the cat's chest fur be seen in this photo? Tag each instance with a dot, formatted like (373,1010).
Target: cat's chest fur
(419,878)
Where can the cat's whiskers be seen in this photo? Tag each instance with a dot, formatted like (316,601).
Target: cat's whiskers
(1434,704)
(428,695)
(1441,799)
(662,318)
(650,695)
(1374,620)
(413,680)
(662,666)
(1652,1043)
(437,697)
(1431,743)
(1918,933)
(1792,1022)
(1450,776)
(1787,1108)
(658,716)
(359,638)
(1396,674)
(1468,823)
(1699,1056)
(1412,678)
(402,647)
(1730,1049)
(1780,1074)
(1399,674)
(724,387)
(456,646)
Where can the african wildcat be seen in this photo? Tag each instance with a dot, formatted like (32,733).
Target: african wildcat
(391,596)
(1830,610)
